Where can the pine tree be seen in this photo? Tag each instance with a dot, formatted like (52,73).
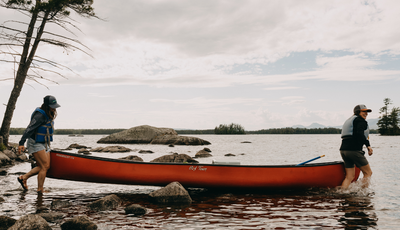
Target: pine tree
(389,121)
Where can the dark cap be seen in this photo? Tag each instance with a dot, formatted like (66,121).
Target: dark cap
(360,108)
(51,101)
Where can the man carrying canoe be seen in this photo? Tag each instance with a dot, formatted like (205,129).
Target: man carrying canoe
(355,134)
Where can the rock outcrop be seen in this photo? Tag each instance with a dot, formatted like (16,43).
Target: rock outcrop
(132,158)
(175,158)
(111,149)
(29,222)
(80,222)
(105,203)
(135,209)
(172,193)
(202,154)
(146,134)
(6,222)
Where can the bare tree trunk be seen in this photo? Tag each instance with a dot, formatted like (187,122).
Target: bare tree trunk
(24,65)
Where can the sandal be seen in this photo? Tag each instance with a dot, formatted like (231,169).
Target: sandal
(21,181)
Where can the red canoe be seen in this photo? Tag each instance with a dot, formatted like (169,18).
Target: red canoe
(76,167)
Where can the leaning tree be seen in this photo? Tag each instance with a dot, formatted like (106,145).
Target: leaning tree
(20,45)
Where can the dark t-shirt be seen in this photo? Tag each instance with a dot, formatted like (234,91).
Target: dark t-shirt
(358,140)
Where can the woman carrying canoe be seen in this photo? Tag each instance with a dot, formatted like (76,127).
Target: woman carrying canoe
(39,134)
(355,133)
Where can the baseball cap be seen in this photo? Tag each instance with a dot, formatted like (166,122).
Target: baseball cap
(51,101)
(360,108)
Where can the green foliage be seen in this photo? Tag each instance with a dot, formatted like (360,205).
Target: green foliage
(229,129)
(389,121)
(55,8)
(196,132)
(2,147)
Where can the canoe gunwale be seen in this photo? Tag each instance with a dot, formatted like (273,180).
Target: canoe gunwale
(199,164)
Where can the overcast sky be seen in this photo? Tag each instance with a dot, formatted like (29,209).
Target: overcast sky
(198,64)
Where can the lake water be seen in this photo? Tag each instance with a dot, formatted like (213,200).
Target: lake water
(377,207)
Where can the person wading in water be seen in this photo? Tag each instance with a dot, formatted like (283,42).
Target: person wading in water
(39,134)
(355,134)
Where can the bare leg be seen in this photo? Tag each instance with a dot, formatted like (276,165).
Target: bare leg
(367,173)
(43,164)
(350,174)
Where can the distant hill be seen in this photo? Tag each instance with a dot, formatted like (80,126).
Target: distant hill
(373,124)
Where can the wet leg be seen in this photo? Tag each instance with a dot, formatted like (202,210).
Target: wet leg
(367,173)
(350,174)
(43,164)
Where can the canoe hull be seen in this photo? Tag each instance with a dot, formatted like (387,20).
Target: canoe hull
(69,166)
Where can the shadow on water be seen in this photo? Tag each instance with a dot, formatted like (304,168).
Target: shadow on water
(359,212)
(211,209)
(269,209)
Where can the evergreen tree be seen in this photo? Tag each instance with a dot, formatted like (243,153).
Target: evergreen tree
(229,129)
(24,43)
(389,121)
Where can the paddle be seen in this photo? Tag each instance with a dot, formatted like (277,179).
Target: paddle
(305,162)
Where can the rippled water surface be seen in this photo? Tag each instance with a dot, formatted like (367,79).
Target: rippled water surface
(377,207)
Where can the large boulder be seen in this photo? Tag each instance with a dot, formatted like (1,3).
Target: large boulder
(4,159)
(132,158)
(30,222)
(80,222)
(172,193)
(52,217)
(106,203)
(175,158)
(6,222)
(135,209)
(111,149)
(146,134)
(202,154)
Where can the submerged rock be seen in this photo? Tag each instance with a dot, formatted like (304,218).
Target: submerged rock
(57,203)
(146,134)
(77,146)
(105,203)
(145,151)
(112,149)
(52,217)
(135,209)
(172,193)
(80,222)
(6,222)
(31,222)
(202,154)
(132,158)
(175,157)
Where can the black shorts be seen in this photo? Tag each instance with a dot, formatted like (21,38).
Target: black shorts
(352,158)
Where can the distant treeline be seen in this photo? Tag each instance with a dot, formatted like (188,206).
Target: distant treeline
(192,131)
(20,131)
(288,130)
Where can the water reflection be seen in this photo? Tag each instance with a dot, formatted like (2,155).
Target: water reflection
(313,209)
(359,212)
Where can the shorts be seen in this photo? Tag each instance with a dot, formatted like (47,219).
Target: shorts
(34,146)
(352,158)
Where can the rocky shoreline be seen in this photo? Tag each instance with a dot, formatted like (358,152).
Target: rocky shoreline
(56,214)
(45,217)
(174,193)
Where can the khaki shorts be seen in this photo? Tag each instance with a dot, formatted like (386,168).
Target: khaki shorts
(352,158)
